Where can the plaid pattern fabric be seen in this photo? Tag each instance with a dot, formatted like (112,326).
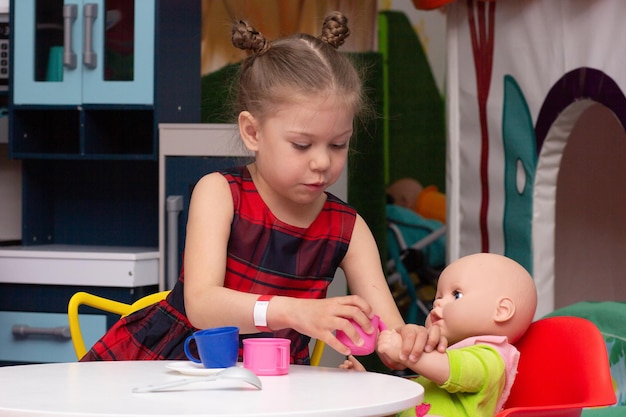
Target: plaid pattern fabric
(265,256)
(155,332)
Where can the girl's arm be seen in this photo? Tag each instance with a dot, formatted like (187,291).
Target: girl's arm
(365,276)
(207,302)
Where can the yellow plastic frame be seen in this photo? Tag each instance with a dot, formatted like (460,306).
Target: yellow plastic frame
(123,309)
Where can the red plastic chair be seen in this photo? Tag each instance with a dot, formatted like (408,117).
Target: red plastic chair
(563,368)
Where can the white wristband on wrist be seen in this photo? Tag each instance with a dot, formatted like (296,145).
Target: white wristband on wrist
(260,313)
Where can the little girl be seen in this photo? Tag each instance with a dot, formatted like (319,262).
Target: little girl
(264,241)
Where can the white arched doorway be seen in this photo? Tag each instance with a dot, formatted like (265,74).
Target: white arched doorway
(579,208)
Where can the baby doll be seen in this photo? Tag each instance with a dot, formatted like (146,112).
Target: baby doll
(404,192)
(484,303)
(427,201)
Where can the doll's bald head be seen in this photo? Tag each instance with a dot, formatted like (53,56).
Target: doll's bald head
(484,294)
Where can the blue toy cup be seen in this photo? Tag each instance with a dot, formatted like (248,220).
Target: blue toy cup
(218,347)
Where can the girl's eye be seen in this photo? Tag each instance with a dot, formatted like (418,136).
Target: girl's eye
(457,294)
(301,146)
(339,145)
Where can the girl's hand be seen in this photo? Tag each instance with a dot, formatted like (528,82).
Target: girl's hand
(402,348)
(321,318)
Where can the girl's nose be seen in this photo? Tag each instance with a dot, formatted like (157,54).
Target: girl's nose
(320,161)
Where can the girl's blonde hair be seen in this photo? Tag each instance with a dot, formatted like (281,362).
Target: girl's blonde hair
(297,66)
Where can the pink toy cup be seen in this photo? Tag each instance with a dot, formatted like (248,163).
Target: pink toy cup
(369,340)
(266,355)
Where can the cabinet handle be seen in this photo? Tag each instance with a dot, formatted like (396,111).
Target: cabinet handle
(90,12)
(70,11)
(24,330)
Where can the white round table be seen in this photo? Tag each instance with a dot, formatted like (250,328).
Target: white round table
(105,389)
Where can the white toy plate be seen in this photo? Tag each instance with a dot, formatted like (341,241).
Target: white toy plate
(191,368)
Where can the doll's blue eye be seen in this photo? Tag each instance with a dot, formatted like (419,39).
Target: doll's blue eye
(457,295)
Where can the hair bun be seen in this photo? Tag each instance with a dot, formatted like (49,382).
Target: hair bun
(248,38)
(335,29)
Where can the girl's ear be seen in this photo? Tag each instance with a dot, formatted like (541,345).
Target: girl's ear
(504,311)
(248,129)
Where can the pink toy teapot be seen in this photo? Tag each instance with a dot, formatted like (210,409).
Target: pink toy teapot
(369,340)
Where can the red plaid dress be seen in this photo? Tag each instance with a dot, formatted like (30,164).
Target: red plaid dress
(265,256)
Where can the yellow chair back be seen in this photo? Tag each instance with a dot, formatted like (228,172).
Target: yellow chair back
(104,304)
(318,351)
(123,309)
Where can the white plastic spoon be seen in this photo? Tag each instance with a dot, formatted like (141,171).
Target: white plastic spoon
(234,372)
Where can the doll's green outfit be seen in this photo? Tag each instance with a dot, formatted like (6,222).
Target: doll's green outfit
(482,371)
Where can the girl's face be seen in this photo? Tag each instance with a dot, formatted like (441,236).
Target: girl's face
(302,147)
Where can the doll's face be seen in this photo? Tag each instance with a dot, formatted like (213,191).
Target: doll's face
(404,192)
(479,295)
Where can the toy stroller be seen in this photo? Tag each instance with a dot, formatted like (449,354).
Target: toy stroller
(416,251)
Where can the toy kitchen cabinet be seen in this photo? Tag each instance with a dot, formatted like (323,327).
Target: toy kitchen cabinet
(89,83)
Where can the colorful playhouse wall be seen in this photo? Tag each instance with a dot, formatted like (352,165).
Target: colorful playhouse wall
(536,164)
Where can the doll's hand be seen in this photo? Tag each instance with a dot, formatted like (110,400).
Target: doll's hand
(353,364)
(388,346)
